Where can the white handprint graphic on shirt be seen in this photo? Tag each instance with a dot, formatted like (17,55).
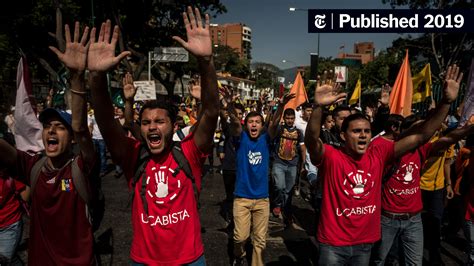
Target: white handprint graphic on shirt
(161,184)
(359,186)
(408,174)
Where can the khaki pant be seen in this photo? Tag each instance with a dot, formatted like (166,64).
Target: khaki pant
(255,213)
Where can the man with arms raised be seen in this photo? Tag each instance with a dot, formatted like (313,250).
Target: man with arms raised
(60,231)
(165,217)
(352,176)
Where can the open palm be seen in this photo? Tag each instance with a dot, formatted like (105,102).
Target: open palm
(129,90)
(198,36)
(451,83)
(75,55)
(328,93)
(101,56)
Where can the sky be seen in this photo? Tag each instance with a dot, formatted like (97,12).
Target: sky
(278,34)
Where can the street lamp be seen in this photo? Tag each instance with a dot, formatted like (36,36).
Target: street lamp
(288,61)
(293,9)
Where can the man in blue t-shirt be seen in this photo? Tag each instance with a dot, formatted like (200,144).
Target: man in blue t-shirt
(289,149)
(251,203)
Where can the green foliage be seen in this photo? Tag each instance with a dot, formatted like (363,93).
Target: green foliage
(265,76)
(226,59)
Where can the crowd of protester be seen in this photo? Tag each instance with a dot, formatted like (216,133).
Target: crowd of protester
(379,182)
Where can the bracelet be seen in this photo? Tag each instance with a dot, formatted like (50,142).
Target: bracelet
(448,184)
(78,92)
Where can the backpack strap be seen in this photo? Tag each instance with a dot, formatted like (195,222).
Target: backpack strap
(35,171)
(180,134)
(183,164)
(80,183)
(142,161)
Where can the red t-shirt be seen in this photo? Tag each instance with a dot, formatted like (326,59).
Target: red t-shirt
(170,232)
(60,232)
(401,192)
(10,207)
(350,210)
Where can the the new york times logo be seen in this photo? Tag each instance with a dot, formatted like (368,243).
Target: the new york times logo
(380,21)
(319,21)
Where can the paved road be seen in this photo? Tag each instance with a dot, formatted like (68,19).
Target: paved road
(295,246)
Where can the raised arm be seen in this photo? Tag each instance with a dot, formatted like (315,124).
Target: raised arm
(74,58)
(273,126)
(8,155)
(101,58)
(326,93)
(425,130)
(235,126)
(129,92)
(452,137)
(199,44)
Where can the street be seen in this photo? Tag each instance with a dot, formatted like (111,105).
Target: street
(294,246)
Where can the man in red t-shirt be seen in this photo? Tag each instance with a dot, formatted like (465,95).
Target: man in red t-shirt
(401,195)
(12,192)
(351,176)
(60,230)
(165,218)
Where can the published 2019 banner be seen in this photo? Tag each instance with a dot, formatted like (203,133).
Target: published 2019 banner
(390,21)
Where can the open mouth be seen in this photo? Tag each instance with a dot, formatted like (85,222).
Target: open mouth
(52,144)
(154,140)
(362,144)
(253,131)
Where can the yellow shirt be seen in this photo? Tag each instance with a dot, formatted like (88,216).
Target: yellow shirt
(433,169)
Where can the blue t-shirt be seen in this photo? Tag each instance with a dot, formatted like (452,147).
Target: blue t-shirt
(253,160)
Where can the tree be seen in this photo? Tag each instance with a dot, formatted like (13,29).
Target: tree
(144,25)
(440,49)
(228,60)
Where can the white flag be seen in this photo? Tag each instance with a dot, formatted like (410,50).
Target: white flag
(28,128)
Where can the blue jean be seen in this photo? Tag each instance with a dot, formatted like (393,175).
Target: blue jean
(201,261)
(10,237)
(344,255)
(433,205)
(100,148)
(410,234)
(284,176)
(469,233)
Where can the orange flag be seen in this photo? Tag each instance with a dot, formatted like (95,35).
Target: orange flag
(402,91)
(299,91)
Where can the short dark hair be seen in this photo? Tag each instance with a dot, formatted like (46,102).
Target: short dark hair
(289,111)
(307,105)
(160,104)
(393,120)
(239,106)
(352,117)
(340,108)
(252,114)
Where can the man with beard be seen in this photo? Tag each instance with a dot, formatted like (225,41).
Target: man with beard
(165,216)
(60,229)
(352,175)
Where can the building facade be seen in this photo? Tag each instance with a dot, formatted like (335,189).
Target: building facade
(364,52)
(235,35)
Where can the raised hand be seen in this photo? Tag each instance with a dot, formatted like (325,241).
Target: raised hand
(75,55)
(195,88)
(129,90)
(198,36)
(327,92)
(451,83)
(385,95)
(287,97)
(101,56)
